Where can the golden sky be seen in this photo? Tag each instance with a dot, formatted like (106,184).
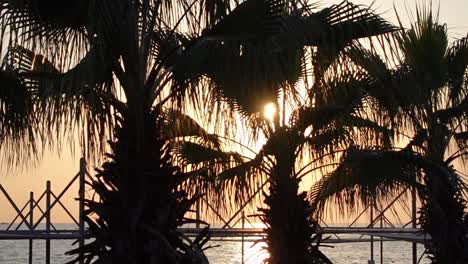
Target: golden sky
(60,170)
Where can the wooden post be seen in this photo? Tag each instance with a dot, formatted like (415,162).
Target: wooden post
(31,223)
(197,205)
(243,226)
(371,261)
(81,199)
(381,239)
(47,217)
(413,218)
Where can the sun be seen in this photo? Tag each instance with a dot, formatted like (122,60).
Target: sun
(269,111)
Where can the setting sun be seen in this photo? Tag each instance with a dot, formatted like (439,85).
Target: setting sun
(269,111)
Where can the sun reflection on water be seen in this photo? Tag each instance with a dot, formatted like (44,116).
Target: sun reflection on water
(255,253)
(229,250)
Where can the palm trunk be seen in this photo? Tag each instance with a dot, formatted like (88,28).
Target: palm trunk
(442,218)
(290,232)
(443,215)
(141,206)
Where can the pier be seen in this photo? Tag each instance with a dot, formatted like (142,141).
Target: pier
(33,222)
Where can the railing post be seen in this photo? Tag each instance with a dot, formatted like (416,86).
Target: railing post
(47,217)
(81,199)
(197,205)
(371,261)
(381,239)
(243,226)
(413,218)
(31,223)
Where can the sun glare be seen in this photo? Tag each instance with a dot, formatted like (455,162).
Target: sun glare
(269,111)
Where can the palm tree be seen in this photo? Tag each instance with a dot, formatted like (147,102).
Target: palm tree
(102,71)
(424,94)
(261,72)
(306,142)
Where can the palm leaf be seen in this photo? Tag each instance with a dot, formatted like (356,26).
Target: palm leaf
(328,141)
(251,19)
(317,117)
(242,181)
(424,47)
(333,28)
(215,10)
(388,87)
(47,18)
(369,132)
(451,113)
(457,61)
(82,95)
(339,96)
(248,75)
(370,61)
(15,105)
(363,176)
(180,125)
(193,153)
(337,25)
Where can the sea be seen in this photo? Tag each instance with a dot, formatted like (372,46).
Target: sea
(229,252)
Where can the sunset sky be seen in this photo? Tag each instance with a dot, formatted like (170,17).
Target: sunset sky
(60,170)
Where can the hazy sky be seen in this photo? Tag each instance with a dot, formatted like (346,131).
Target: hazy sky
(61,169)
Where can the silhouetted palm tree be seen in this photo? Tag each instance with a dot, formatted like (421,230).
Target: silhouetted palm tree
(423,95)
(102,72)
(260,72)
(304,143)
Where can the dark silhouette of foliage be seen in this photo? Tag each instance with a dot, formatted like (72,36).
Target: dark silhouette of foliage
(424,94)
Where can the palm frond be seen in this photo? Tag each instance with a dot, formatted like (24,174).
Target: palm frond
(339,96)
(15,99)
(243,181)
(193,153)
(251,19)
(16,124)
(370,132)
(328,141)
(215,10)
(247,75)
(46,18)
(364,175)
(424,47)
(317,117)
(448,114)
(83,95)
(333,28)
(457,62)
(346,88)
(338,24)
(368,60)
(385,85)
(183,126)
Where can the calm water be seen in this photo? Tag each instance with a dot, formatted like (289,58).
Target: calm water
(228,252)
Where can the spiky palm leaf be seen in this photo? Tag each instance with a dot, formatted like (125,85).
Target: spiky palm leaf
(249,73)
(181,126)
(424,91)
(363,177)
(84,93)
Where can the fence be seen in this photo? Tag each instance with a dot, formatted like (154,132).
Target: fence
(27,216)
